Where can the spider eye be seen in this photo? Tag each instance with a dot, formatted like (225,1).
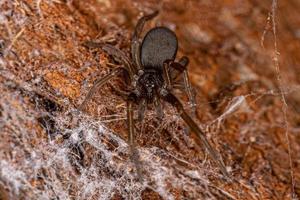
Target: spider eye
(150,85)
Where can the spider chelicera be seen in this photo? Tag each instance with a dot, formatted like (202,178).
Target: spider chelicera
(152,71)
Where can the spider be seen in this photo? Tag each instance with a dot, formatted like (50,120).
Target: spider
(152,72)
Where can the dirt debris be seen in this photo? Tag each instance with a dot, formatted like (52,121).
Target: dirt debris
(247,101)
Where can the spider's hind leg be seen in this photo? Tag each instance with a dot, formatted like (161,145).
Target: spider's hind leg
(135,43)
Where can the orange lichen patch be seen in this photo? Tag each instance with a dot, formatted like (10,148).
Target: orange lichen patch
(75,76)
(65,86)
(3,193)
(39,131)
(149,194)
(37,183)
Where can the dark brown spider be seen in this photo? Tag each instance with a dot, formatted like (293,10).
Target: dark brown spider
(152,73)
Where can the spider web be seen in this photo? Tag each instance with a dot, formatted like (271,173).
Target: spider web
(284,103)
(50,150)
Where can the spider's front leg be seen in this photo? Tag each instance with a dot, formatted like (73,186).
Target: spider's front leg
(98,84)
(134,155)
(116,54)
(173,100)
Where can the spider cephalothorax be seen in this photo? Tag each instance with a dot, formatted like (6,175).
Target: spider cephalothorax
(153,74)
(149,84)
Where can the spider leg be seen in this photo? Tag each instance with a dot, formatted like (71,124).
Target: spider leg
(134,154)
(181,68)
(123,94)
(166,74)
(187,84)
(135,43)
(173,100)
(116,53)
(178,86)
(176,69)
(158,107)
(171,70)
(141,109)
(98,83)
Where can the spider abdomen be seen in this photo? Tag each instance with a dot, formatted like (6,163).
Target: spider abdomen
(159,44)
